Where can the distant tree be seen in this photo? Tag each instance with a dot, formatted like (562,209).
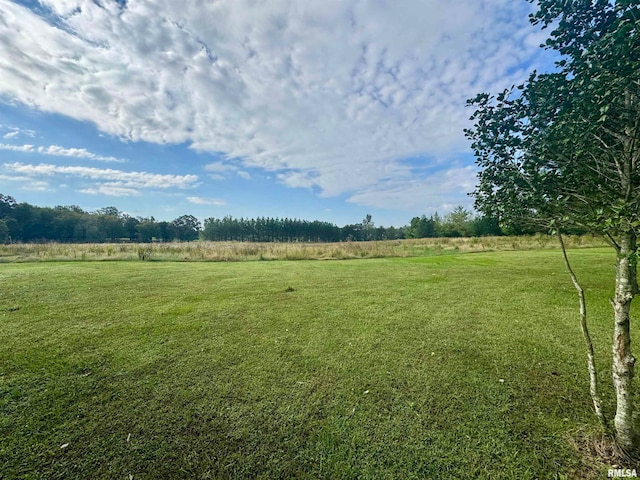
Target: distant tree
(368,228)
(485,226)
(164,231)
(25,226)
(7,204)
(393,233)
(457,223)
(109,211)
(352,233)
(146,230)
(110,227)
(4,232)
(422,227)
(64,226)
(186,228)
(130,225)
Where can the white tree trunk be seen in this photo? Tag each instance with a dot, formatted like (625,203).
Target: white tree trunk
(623,360)
(591,361)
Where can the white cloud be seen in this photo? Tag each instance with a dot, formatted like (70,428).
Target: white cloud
(222,168)
(38,186)
(28,183)
(441,191)
(331,94)
(111,189)
(17,148)
(206,201)
(15,132)
(132,180)
(58,151)
(219,167)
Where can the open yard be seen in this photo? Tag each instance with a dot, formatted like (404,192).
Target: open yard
(465,365)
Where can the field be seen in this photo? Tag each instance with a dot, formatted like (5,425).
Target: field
(464,365)
(245,251)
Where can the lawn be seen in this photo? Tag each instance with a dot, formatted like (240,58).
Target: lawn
(452,366)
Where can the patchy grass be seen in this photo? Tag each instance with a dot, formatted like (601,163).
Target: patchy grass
(453,366)
(242,251)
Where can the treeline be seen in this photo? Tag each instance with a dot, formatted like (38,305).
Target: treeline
(294,230)
(459,223)
(22,222)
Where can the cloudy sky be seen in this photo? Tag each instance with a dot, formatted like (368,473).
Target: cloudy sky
(314,109)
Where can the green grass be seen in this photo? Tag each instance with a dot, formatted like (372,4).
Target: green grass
(455,366)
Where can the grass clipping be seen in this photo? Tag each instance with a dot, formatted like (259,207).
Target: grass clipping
(599,453)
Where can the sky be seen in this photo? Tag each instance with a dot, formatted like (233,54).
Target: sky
(313,109)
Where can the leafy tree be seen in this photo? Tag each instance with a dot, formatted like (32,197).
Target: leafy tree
(422,227)
(7,204)
(9,228)
(110,227)
(4,232)
(146,230)
(24,215)
(368,227)
(485,226)
(457,223)
(65,223)
(164,231)
(186,227)
(130,226)
(562,151)
(109,211)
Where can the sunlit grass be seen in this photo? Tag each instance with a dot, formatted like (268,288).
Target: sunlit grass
(450,366)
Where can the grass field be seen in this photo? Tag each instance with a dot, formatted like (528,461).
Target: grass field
(247,251)
(450,366)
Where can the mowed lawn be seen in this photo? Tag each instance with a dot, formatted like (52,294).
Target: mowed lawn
(451,366)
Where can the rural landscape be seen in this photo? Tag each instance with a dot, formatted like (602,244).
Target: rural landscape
(351,240)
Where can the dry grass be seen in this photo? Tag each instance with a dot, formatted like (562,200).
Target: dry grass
(242,251)
(598,453)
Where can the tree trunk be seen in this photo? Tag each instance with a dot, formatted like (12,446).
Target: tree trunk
(623,360)
(591,361)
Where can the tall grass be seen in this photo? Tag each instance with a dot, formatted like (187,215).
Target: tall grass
(243,251)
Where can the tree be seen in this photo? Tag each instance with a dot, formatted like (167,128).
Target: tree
(563,151)
(484,226)
(110,227)
(7,204)
(4,232)
(109,211)
(164,231)
(422,227)
(367,227)
(186,227)
(130,225)
(457,223)
(146,230)
(65,223)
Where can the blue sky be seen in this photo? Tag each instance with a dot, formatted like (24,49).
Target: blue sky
(325,110)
